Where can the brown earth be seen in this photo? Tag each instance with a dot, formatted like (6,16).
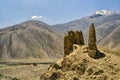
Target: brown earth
(79,66)
(30,39)
(19,70)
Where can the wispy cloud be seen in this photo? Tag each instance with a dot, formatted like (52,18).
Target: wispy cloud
(36,17)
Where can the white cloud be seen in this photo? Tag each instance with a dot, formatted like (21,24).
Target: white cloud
(36,17)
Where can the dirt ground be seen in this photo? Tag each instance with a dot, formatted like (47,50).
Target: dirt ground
(22,71)
(79,66)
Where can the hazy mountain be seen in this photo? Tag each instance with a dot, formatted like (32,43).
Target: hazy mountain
(30,39)
(105,22)
(113,39)
(39,40)
(83,23)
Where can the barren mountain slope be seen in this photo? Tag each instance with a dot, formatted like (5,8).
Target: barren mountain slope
(113,39)
(30,39)
(105,29)
(105,24)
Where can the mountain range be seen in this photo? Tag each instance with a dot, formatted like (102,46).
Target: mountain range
(30,39)
(36,39)
(107,24)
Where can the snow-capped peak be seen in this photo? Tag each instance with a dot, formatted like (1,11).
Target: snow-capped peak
(104,12)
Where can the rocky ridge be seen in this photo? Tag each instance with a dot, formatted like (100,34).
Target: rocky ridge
(106,22)
(83,62)
(79,66)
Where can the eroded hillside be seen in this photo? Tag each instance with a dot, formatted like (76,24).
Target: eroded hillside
(81,62)
(30,39)
(79,66)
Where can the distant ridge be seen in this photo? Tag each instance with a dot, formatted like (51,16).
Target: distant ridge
(37,39)
(106,23)
(30,39)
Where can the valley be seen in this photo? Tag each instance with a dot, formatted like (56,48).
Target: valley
(24,69)
(34,50)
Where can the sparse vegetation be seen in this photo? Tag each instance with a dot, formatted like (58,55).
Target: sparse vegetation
(1,76)
(75,78)
(15,79)
(90,71)
(56,66)
(98,72)
(54,76)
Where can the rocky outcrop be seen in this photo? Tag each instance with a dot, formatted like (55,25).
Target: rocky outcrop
(78,66)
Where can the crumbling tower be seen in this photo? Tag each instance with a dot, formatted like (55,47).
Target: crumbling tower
(93,51)
(79,38)
(68,44)
(70,39)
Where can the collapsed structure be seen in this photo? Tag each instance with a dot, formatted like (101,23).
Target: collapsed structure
(76,37)
(93,51)
(73,37)
(75,64)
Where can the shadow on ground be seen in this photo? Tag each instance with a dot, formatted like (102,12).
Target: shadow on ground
(100,55)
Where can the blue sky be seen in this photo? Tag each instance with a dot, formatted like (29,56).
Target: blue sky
(51,11)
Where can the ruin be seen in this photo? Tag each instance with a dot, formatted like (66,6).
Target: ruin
(72,37)
(93,51)
(67,45)
(76,37)
(79,38)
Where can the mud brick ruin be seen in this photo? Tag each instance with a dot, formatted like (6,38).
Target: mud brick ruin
(73,37)
(76,37)
(93,51)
